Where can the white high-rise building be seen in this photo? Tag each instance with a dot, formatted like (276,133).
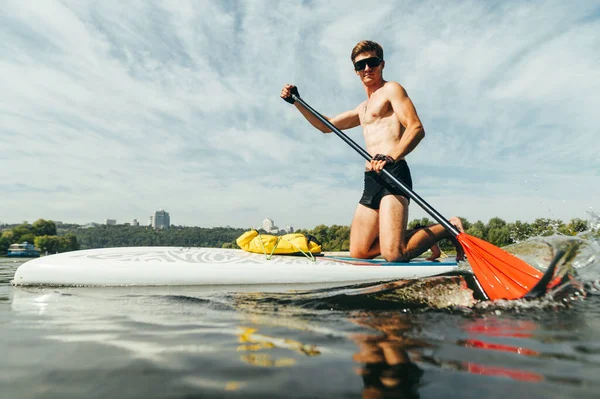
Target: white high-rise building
(268,225)
(160,219)
(135,222)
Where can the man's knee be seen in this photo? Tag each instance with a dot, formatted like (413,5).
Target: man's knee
(395,255)
(359,253)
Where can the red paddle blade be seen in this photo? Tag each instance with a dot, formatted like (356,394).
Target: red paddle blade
(501,275)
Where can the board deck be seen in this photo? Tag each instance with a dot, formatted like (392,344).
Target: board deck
(160,266)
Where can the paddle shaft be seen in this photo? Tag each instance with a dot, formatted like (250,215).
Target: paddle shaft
(414,196)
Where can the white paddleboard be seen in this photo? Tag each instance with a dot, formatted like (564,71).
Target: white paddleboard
(160,266)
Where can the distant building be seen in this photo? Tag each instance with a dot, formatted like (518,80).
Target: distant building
(134,222)
(267,225)
(160,219)
(110,222)
(289,229)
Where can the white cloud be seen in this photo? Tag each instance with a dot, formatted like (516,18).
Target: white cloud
(113,110)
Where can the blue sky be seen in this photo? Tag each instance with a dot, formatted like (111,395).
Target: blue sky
(116,109)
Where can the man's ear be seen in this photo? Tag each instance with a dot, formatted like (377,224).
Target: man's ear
(382,64)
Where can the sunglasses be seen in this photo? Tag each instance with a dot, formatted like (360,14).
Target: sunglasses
(372,62)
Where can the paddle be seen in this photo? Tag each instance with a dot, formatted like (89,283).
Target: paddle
(501,275)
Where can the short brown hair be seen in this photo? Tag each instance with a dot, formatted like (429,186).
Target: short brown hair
(366,46)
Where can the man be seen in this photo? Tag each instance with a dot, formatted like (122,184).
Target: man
(392,129)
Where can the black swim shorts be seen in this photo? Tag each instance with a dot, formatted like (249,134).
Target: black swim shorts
(377,185)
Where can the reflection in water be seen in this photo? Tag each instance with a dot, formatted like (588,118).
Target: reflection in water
(382,351)
(386,366)
(253,342)
(482,334)
(389,357)
(497,371)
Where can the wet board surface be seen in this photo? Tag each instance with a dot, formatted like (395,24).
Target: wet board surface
(157,266)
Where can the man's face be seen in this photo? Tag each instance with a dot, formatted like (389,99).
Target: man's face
(366,67)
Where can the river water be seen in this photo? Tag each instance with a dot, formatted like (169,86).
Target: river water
(193,342)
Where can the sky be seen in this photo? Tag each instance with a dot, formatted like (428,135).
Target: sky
(117,109)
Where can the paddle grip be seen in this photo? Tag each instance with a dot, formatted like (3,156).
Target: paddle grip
(412,195)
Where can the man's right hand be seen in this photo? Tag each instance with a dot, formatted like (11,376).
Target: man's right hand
(287,91)
(379,161)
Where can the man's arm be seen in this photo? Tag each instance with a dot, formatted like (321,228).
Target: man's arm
(345,120)
(407,115)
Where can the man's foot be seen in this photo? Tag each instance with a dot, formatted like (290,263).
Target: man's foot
(460,252)
(436,252)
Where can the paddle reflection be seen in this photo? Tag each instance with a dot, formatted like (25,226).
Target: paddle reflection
(386,367)
(486,335)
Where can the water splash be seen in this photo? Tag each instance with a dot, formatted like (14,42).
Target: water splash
(583,249)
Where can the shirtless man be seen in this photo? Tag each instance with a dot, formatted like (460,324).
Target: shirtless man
(392,129)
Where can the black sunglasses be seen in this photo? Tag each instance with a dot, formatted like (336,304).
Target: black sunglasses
(372,62)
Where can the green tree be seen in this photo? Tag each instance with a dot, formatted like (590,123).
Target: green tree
(47,244)
(544,226)
(22,232)
(495,223)
(500,236)
(339,238)
(578,225)
(423,222)
(43,227)
(67,243)
(321,233)
(477,229)
(520,231)
(9,235)
(498,232)
(29,237)
(4,244)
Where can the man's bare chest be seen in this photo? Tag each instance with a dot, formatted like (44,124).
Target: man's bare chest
(375,109)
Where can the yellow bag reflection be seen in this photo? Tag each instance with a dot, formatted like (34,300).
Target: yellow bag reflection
(289,244)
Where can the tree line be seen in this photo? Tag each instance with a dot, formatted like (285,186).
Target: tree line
(137,236)
(42,233)
(49,238)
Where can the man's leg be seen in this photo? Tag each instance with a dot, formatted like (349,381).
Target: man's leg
(436,252)
(364,243)
(460,253)
(393,241)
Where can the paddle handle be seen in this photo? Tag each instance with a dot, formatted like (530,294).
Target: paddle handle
(414,196)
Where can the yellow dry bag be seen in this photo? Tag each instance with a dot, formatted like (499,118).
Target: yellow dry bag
(289,244)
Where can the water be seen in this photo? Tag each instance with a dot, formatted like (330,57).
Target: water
(197,342)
